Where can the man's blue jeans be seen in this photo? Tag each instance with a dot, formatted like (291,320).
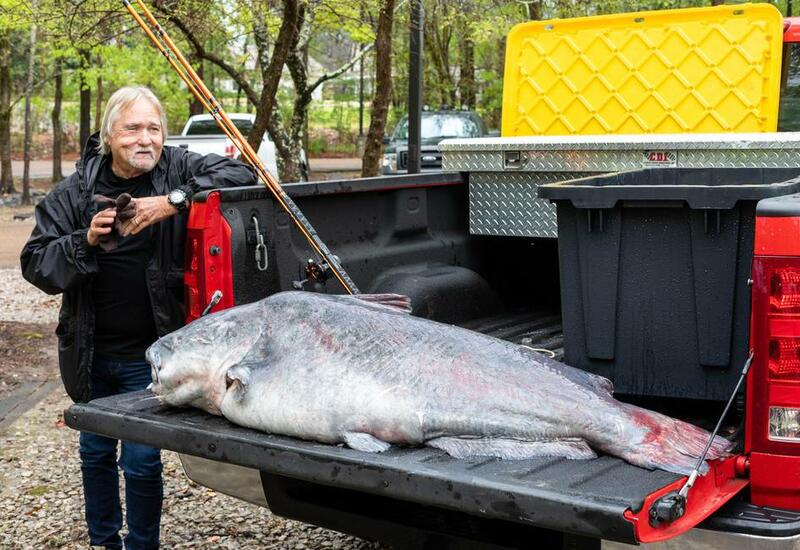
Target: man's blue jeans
(140,463)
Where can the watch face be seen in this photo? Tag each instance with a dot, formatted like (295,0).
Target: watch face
(177,196)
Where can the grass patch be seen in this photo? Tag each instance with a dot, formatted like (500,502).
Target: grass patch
(39,490)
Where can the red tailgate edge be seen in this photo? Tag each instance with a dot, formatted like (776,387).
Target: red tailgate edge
(709,493)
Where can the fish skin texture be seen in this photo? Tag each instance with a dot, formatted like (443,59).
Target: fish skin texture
(512,449)
(359,370)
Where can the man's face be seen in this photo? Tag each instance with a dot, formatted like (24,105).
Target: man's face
(136,140)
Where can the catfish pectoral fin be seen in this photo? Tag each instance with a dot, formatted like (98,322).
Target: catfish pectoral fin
(512,449)
(361,441)
(237,379)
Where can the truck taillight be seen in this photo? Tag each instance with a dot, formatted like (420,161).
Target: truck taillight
(784,358)
(773,389)
(207,257)
(784,290)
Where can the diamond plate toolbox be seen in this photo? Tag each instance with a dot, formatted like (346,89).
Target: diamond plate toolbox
(712,69)
(504,173)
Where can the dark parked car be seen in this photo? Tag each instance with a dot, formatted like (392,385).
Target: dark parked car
(436,126)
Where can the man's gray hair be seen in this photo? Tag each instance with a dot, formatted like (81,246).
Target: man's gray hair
(121,100)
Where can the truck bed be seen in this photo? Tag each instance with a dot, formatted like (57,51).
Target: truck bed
(410,235)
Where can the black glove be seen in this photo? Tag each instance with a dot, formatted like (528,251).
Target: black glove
(126,209)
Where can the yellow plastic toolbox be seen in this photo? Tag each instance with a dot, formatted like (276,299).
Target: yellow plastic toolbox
(705,70)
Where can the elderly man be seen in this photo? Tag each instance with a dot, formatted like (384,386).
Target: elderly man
(118,299)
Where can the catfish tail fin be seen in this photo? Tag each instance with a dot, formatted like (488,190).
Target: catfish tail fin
(653,440)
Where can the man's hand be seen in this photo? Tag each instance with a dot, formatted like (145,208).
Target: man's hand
(148,210)
(102,224)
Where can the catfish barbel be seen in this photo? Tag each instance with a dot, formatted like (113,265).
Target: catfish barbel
(360,370)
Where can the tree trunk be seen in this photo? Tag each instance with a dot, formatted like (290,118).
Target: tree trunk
(293,171)
(466,82)
(534,10)
(6,177)
(297,63)
(55,116)
(287,150)
(371,164)
(437,48)
(98,98)
(85,102)
(195,106)
(98,104)
(305,110)
(26,147)
(272,72)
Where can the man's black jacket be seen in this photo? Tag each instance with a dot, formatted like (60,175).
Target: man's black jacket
(58,259)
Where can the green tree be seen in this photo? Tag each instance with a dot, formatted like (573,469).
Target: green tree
(26,148)
(13,19)
(293,26)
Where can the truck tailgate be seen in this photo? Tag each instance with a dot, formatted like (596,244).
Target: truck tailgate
(604,497)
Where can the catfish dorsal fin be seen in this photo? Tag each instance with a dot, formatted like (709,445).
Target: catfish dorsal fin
(396,302)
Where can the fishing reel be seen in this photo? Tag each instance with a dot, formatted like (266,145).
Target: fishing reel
(317,274)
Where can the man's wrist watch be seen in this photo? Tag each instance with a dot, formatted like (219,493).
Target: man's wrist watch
(178,199)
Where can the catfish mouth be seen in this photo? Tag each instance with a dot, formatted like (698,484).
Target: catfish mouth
(153,356)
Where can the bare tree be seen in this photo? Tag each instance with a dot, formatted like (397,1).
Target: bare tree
(371,163)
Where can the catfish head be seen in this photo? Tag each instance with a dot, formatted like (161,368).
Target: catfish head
(188,366)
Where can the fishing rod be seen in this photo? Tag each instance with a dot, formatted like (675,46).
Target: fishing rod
(159,37)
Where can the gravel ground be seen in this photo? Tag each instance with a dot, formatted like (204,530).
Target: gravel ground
(41,504)
(21,302)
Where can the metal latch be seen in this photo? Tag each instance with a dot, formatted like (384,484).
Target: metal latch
(262,259)
(514,160)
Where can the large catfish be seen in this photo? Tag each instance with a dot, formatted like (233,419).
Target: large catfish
(360,370)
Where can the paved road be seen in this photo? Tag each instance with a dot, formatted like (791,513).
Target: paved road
(44,168)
